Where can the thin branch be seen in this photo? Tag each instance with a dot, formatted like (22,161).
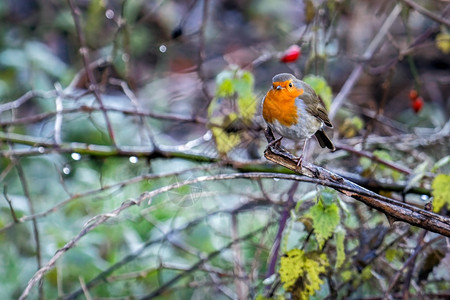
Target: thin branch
(419,248)
(27,194)
(59,115)
(126,111)
(368,54)
(92,224)
(134,101)
(93,192)
(195,266)
(241,286)
(411,266)
(202,56)
(24,98)
(42,146)
(377,185)
(278,238)
(130,257)
(11,208)
(375,158)
(426,12)
(85,56)
(395,209)
(427,137)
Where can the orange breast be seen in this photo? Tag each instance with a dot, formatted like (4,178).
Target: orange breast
(280,105)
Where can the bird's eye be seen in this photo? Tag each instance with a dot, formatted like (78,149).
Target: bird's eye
(290,84)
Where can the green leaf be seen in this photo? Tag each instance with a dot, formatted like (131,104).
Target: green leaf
(300,273)
(325,220)
(419,173)
(366,273)
(225,88)
(320,85)
(346,275)
(247,106)
(351,126)
(384,155)
(327,196)
(440,163)
(234,102)
(441,192)
(391,254)
(340,247)
(365,163)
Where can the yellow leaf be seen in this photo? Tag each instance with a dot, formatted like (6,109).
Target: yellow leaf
(300,272)
(441,192)
(443,42)
(225,142)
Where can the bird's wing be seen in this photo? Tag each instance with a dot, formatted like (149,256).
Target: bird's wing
(322,114)
(314,105)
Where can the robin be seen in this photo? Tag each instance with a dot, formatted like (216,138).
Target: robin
(292,109)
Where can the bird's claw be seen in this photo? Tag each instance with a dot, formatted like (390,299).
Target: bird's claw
(276,143)
(300,162)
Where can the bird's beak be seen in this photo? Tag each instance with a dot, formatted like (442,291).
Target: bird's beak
(279,87)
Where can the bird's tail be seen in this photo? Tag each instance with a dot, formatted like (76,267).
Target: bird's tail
(324,140)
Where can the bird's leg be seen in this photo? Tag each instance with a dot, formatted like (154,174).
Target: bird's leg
(300,159)
(276,143)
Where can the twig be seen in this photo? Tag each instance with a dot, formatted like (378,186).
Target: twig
(419,248)
(426,12)
(408,141)
(11,208)
(103,275)
(85,56)
(201,56)
(377,185)
(410,267)
(42,146)
(397,210)
(125,111)
(59,116)
(27,194)
(93,192)
(137,107)
(370,51)
(375,158)
(85,291)
(92,224)
(24,98)
(167,266)
(282,224)
(239,282)
(202,261)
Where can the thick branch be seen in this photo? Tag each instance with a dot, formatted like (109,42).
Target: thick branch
(395,210)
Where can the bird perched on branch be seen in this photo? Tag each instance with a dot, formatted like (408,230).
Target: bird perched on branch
(292,109)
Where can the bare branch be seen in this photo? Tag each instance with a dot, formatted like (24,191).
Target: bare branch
(396,210)
(426,12)
(370,51)
(85,56)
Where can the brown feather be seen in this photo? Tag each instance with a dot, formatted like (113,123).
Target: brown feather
(324,140)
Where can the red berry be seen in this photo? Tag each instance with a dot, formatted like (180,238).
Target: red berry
(291,54)
(417,104)
(413,94)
